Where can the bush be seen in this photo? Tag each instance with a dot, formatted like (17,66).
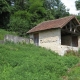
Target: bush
(20,23)
(72,52)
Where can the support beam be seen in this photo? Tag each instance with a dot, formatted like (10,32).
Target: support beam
(70,26)
(71,32)
(73,24)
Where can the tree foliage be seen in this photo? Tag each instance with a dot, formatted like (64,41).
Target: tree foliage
(4,13)
(77,3)
(4,6)
(19,22)
(20,4)
(78,17)
(57,8)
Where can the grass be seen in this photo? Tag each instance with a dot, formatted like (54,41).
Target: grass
(29,62)
(74,73)
(4,32)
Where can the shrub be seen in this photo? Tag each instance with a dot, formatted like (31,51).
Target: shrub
(20,23)
(72,52)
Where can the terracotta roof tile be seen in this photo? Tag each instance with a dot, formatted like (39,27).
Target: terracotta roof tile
(58,23)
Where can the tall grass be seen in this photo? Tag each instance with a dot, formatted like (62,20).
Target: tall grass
(4,32)
(29,62)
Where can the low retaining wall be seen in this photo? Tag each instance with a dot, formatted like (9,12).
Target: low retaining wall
(1,41)
(16,39)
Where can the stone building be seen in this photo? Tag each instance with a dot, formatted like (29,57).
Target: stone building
(58,35)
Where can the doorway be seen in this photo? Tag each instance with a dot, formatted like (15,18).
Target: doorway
(36,39)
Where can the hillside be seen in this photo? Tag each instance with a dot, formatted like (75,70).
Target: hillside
(29,62)
(4,32)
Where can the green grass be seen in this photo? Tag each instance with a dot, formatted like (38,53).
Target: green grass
(4,32)
(29,62)
(74,73)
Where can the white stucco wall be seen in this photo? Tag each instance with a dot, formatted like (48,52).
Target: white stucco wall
(50,39)
(79,42)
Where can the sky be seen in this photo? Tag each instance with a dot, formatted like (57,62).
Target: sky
(70,4)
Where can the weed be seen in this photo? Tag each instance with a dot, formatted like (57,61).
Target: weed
(72,52)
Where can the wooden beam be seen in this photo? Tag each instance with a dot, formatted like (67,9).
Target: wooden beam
(70,26)
(72,32)
(66,27)
(73,24)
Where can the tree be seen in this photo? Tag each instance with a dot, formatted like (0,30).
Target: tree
(77,3)
(20,22)
(4,13)
(56,7)
(19,4)
(38,11)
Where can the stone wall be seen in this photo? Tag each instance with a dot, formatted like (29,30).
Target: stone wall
(16,39)
(1,41)
(51,39)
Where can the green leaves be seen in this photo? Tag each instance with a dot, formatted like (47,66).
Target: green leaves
(56,7)
(4,6)
(4,13)
(77,3)
(20,22)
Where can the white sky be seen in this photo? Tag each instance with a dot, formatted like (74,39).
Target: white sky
(70,4)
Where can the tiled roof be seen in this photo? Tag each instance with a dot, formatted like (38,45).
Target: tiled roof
(58,23)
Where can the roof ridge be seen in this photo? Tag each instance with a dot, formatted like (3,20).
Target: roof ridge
(71,17)
(55,19)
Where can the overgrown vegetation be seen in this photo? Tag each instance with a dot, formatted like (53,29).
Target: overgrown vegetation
(3,33)
(29,62)
(73,52)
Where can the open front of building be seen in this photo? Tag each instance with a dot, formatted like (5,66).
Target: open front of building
(70,33)
(59,39)
(70,39)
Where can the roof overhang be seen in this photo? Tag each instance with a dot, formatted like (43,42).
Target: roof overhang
(42,30)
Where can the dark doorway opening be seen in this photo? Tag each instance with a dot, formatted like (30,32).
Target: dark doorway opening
(36,39)
(69,39)
(70,33)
